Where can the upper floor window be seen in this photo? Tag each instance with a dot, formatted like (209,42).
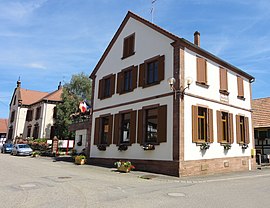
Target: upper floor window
(152,71)
(202,124)
(127,80)
(38,112)
(29,115)
(240,87)
(201,71)
(106,87)
(55,112)
(242,129)
(223,81)
(152,125)
(225,127)
(12,116)
(128,48)
(103,130)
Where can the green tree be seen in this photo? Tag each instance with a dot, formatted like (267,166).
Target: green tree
(78,89)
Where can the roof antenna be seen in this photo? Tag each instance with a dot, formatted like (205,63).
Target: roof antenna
(152,10)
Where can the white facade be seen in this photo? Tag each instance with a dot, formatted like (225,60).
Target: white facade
(181,63)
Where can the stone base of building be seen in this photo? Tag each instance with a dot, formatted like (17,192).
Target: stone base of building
(187,168)
(216,166)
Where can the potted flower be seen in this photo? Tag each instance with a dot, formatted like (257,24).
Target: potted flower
(204,146)
(124,166)
(80,159)
(227,146)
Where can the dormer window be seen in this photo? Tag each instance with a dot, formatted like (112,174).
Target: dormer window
(128,48)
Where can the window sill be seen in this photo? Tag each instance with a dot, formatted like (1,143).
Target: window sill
(150,85)
(204,85)
(241,98)
(224,92)
(124,57)
(148,147)
(102,147)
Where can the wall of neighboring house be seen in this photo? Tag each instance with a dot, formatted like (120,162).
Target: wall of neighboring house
(80,140)
(148,44)
(19,117)
(48,121)
(236,158)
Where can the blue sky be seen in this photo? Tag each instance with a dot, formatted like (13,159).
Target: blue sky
(46,41)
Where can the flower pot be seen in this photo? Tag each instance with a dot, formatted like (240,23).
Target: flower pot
(79,161)
(124,169)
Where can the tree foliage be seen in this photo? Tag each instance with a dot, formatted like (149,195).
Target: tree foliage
(78,89)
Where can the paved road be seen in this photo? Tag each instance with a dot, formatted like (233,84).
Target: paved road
(39,182)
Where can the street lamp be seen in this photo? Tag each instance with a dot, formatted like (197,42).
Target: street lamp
(181,91)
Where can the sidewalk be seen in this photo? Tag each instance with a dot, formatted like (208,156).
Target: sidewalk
(263,171)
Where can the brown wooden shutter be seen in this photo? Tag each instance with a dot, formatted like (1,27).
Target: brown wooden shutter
(201,70)
(238,134)
(142,75)
(246,131)
(116,134)
(162,124)
(161,68)
(219,127)
(100,89)
(125,47)
(223,79)
(134,77)
(97,131)
(194,123)
(133,115)
(240,87)
(131,44)
(110,130)
(230,127)
(120,81)
(140,136)
(112,86)
(210,126)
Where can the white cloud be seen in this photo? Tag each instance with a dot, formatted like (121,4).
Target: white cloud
(36,66)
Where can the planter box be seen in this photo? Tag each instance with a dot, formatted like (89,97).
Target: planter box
(123,169)
(79,161)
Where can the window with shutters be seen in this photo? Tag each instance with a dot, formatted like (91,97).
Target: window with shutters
(128,46)
(127,80)
(223,81)
(125,128)
(38,111)
(240,87)
(106,87)
(152,71)
(29,128)
(202,124)
(103,130)
(36,131)
(29,115)
(201,72)
(152,125)
(225,127)
(242,129)
(10,133)
(12,116)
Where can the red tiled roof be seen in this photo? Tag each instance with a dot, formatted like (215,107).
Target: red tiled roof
(54,96)
(261,112)
(29,97)
(3,125)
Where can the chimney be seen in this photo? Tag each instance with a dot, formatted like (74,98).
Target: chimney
(19,83)
(59,86)
(197,38)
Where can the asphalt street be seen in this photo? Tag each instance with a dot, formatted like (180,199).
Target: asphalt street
(40,182)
